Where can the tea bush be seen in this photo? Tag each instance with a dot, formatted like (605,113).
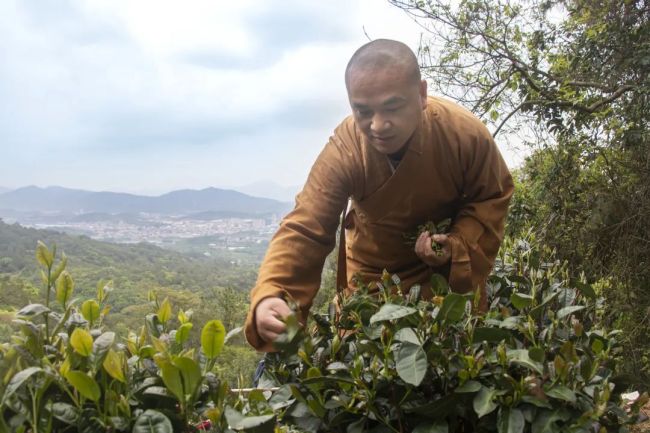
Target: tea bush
(538,361)
(66,372)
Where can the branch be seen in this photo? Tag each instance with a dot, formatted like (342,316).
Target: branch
(596,105)
(505,119)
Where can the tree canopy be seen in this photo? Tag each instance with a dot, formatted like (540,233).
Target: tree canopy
(571,79)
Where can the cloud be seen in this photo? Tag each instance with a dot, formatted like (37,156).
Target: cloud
(162,91)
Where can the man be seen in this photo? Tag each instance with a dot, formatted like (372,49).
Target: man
(403,158)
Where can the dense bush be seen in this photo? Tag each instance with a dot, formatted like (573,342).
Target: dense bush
(538,361)
(66,372)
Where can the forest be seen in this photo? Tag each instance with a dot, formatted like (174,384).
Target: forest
(134,338)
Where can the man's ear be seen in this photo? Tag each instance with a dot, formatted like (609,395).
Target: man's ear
(423,94)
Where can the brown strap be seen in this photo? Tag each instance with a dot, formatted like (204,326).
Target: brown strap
(341,265)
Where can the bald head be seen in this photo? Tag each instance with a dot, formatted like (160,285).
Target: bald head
(383,54)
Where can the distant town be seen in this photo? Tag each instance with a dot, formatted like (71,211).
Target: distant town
(223,237)
(163,229)
(211,222)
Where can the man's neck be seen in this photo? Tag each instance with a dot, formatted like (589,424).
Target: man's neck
(397,156)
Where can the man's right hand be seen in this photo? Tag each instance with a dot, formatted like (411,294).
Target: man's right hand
(268,317)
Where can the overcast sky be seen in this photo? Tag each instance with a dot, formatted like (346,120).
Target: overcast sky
(151,96)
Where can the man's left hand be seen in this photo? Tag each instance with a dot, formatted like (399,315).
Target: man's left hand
(426,253)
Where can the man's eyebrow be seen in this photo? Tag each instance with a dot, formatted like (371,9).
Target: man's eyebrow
(359,106)
(394,100)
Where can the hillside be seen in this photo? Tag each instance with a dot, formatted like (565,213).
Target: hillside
(135,269)
(182,202)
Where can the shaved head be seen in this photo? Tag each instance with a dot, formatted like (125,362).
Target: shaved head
(383,54)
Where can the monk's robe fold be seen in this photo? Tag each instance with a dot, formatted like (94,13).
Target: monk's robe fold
(451,169)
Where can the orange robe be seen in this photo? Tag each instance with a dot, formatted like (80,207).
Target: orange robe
(451,169)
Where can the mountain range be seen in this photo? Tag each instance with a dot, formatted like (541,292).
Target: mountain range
(181,202)
(270,189)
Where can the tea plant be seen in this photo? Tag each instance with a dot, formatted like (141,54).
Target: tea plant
(537,362)
(66,372)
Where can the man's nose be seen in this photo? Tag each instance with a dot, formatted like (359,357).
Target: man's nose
(379,123)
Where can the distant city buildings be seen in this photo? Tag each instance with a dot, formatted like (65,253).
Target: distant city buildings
(228,233)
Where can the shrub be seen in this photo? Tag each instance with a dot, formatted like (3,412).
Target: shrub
(538,361)
(66,372)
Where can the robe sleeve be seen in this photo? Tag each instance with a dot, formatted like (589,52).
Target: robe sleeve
(295,257)
(477,230)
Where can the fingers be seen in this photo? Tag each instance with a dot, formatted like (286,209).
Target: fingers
(269,314)
(443,255)
(423,245)
(425,252)
(270,329)
(441,239)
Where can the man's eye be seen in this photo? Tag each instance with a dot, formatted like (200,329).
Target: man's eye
(392,109)
(364,113)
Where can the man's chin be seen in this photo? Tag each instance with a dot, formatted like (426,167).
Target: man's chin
(387,147)
(384,146)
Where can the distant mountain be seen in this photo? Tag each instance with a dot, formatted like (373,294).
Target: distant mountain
(182,202)
(3,189)
(271,190)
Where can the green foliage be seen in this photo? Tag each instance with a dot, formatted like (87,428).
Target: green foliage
(571,79)
(539,361)
(392,362)
(65,372)
(133,269)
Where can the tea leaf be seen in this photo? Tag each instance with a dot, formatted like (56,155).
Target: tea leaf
(165,311)
(545,421)
(171,376)
(212,338)
(536,354)
(190,373)
(101,345)
(411,363)
(183,332)
(586,289)
(521,300)
(90,310)
(468,387)
(521,357)
(484,402)
(391,312)
(439,285)
(237,421)
(43,255)
(84,384)
(562,393)
(64,288)
(566,311)
(64,412)
(81,342)
(33,310)
(113,365)
(510,420)
(152,421)
(452,308)
(16,381)
(407,335)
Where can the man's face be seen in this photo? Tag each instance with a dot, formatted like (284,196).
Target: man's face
(387,106)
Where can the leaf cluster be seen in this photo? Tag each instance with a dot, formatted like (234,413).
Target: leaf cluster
(65,371)
(538,361)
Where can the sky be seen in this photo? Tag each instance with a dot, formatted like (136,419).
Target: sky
(152,96)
